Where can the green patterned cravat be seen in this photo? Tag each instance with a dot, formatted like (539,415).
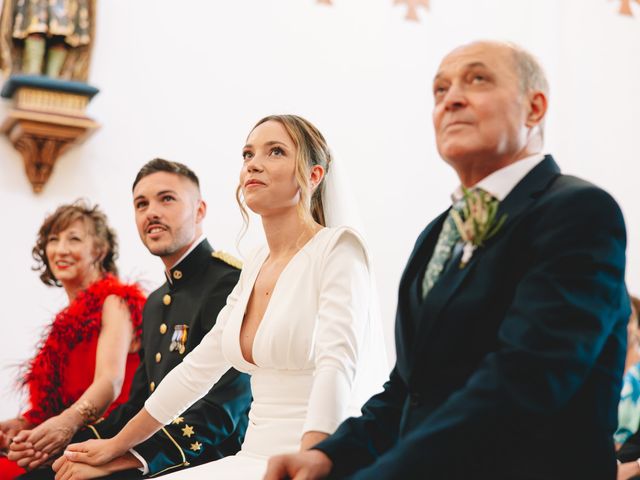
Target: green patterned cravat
(447,239)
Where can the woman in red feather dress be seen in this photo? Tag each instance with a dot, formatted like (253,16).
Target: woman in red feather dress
(87,357)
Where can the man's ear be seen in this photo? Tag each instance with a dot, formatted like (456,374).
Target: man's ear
(201,210)
(537,108)
(316,176)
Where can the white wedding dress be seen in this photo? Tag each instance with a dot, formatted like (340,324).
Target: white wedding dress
(319,354)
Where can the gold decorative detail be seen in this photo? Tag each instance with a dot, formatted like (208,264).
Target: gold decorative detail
(187,431)
(412,8)
(43,125)
(87,410)
(152,386)
(196,446)
(158,357)
(39,157)
(63,103)
(166,299)
(95,432)
(183,463)
(177,274)
(163,328)
(227,258)
(41,141)
(178,421)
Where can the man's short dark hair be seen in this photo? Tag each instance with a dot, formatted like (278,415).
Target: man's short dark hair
(162,165)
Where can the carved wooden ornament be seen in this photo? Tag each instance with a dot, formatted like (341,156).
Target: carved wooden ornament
(48,117)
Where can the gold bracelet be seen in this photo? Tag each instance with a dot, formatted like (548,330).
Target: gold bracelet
(87,411)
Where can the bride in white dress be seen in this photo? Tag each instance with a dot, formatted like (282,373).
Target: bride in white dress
(301,320)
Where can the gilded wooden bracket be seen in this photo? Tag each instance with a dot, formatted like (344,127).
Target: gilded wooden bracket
(39,155)
(48,117)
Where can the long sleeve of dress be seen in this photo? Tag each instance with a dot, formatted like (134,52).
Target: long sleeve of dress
(343,314)
(198,372)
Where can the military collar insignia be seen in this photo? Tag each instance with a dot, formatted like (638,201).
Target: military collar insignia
(191,264)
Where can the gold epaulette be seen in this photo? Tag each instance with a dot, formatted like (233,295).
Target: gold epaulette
(227,258)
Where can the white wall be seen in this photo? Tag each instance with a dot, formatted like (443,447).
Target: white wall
(188,84)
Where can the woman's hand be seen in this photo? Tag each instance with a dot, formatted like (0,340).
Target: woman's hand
(31,448)
(22,452)
(9,429)
(52,435)
(99,452)
(94,452)
(68,470)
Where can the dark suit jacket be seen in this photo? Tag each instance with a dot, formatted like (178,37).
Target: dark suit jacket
(194,297)
(511,367)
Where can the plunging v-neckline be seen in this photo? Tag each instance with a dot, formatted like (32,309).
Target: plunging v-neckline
(271,296)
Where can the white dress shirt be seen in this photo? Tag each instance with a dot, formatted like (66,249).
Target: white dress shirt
(501,182)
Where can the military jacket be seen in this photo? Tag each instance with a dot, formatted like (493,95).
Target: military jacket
(175,318)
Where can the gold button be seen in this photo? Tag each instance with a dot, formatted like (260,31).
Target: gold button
(152,386)
(163,328)
(158,357)
(166,299)
(177,274)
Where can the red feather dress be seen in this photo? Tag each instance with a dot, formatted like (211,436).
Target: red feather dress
(65,363)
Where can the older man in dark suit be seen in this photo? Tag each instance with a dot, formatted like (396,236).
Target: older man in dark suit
(510,327)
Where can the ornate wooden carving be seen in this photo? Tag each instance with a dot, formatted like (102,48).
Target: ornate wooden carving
(45,123)
(39,157)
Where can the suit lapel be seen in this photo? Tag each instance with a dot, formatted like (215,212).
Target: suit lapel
(518,200)
(424,246)
(405,329)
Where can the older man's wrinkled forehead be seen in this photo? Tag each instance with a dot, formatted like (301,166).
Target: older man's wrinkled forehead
(497,56)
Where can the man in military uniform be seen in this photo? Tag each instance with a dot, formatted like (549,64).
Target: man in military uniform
(169,214)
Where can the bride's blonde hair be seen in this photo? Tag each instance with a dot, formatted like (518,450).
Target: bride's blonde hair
(312,150)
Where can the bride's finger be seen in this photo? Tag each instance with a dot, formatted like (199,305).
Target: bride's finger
(77,447)
(80,456)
